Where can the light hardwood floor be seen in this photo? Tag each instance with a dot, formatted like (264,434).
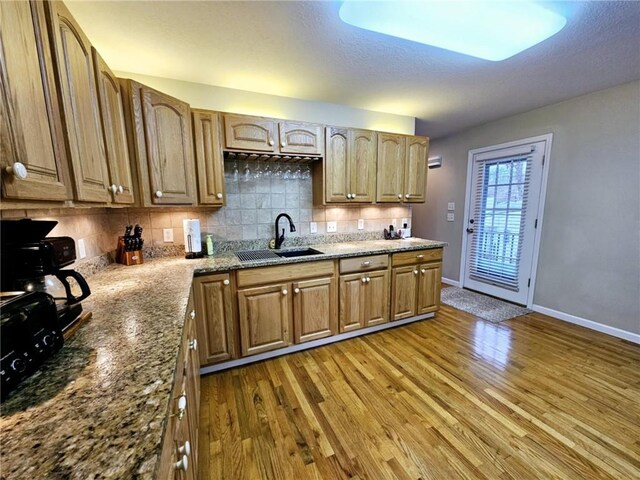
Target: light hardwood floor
(447,398)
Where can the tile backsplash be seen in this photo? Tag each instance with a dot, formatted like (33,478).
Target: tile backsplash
(249,214)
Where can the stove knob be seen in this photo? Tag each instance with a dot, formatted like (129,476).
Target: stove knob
(18,365)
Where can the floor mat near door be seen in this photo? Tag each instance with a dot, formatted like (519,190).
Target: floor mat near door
(480,305)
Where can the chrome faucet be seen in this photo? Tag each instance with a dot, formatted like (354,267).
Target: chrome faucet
(292,228)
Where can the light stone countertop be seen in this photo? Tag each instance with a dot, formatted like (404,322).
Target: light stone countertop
(97,408)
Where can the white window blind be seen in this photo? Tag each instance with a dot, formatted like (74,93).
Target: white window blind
(500,202)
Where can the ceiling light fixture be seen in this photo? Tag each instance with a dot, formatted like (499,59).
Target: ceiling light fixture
(485,29)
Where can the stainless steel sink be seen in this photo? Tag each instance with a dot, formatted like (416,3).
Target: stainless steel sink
(303,252)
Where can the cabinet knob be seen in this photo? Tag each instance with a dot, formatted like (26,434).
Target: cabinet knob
(399,195)
(226,281)
(185,449)
(364,279)
(182,405)
(271,142)
(183,464)
(423,270)
(284,291)
(406,195)
(296,290)
(113,189)
(192,314)
(158,194)
(120,189)
(18,170)
(219,195)
(415,272)
(368,279)
(419,256)
(348,195)
(366,264)
(193,344)
(283,144)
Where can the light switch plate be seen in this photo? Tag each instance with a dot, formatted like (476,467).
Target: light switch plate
(332,227)
(313,227)
(450,217)
(167,235)
(82,251)
(360,224)
(451,206)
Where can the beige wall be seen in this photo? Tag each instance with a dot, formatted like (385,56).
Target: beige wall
(223,99)
(589,263)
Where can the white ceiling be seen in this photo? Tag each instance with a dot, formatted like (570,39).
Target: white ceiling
(301,49)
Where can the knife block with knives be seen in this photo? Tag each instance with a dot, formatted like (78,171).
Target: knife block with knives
(129,249)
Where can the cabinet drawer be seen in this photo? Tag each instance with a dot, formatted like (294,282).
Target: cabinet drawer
(283,273)
(364,264)
(416,256)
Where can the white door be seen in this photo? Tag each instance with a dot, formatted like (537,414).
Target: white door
(502,217)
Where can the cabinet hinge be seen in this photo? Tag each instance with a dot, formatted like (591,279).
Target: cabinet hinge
(535,225)
(529,283)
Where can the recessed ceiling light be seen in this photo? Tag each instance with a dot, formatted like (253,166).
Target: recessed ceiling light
(489,30)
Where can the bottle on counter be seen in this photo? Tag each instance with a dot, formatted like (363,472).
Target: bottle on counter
(209,241)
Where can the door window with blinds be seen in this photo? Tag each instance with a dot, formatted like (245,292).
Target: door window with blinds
(502,211)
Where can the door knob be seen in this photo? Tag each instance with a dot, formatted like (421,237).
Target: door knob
(296,290)
(185,449)
(120,189)
(399,195)
(225,281)
(284,291)
(283,144)
(183,464)
(415,272)
(406,195)
(114,189)
(158,194)
(18,170)
(193,344)
(271,142)
(219,195)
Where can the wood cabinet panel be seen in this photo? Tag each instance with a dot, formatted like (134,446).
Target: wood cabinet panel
(215,321)
(301,138)
(337,168)
(403,292)
(352,306)
(415,174)
(30,131)
(209,159)
(376,303)
(429,287)
(364,264)
(284,273)
(167,129)
(250,133)
(314,309)
(362,165)
(265,318)
(391,158)
(416,256)
(114,130)
(81,111)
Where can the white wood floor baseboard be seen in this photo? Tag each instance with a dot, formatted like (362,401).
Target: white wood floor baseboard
(453,283)
(583,322)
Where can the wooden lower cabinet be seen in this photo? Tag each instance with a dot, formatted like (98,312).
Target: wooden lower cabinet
(265,320)
(429,284)
(415,289)
(314,309)
(364,300)
(376,294)
(215,318)
(404,282)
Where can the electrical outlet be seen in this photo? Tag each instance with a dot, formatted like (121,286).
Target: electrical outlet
(82,251)
(313,227)
(450,217)
(451,206)
(360,224)
(332,227)
(167,235)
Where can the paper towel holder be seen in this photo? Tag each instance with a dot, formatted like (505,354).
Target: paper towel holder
(192,238)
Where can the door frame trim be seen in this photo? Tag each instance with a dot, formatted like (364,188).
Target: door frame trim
(548,139)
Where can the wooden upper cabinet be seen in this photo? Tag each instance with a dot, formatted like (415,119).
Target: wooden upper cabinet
(160,145)
(337,167)
(362,165)
(209,159)
(250,133)
(301,138)
(115,134)
(214,316)
(415,171)
(77,83)
(315,312)
(30,130)
(391,160)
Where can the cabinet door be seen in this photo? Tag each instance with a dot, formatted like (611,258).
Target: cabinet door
(167,127)
(404,281)
(429,287)
(249,133)
(376,298)
(415,172)
(115,134)
(209,160)
(215,323)
(336,162)
(352,302)
(302,138)
(81,110)
(30,132)
(192,378)
(314,309)
(362,165)
(265,318)
(391,157)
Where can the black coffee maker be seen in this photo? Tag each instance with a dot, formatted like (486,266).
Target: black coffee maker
(28,257)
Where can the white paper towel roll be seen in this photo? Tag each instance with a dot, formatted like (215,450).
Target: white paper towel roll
(192,236)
